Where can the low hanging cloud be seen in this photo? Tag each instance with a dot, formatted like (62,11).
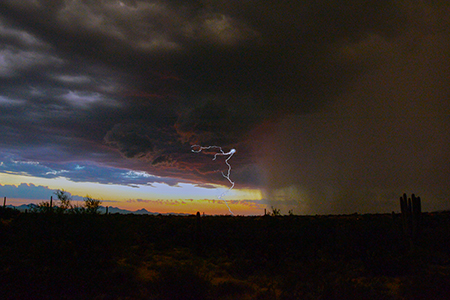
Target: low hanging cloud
(26,191)
(83,172)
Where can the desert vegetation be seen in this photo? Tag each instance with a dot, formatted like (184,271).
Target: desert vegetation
(64,205)
(112,256)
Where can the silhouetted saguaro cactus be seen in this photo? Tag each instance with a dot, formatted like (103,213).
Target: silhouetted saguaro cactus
(4,202)
(411,216)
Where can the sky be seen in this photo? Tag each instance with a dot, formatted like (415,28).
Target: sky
(333,107)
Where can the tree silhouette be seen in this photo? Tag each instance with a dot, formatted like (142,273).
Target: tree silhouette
(91,205)
(64,198)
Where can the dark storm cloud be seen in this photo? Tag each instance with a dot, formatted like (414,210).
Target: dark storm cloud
(214,122)
(386,135)
(133,84)
(131,140)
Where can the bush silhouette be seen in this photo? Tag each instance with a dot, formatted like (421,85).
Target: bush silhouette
(92,205)
(64,198)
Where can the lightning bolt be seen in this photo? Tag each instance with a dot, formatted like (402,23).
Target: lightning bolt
(227,175)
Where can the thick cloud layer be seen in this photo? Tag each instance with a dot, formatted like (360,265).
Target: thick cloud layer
(386,135)
(315,97)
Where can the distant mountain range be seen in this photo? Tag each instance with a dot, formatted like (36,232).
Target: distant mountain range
(102,209)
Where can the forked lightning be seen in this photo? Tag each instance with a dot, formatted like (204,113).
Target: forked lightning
(227,176)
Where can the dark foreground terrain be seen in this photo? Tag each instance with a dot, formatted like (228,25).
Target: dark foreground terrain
(64,256)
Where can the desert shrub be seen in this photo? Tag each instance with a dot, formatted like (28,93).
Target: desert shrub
(91,205)
(43,207)
(8,212)
(64,199)
(275,212)
(430,285)
(180,282)
(233,289)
